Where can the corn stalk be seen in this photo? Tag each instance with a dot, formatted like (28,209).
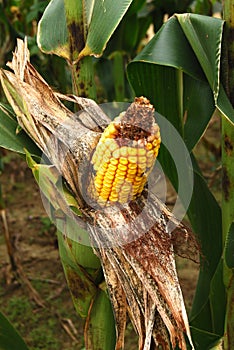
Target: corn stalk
(228,178)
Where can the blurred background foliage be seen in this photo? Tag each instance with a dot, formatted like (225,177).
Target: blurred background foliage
(20,18)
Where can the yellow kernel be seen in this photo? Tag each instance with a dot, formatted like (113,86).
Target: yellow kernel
(118,182)
(150,154)
(98,179)
(113,145)
(132,151)
(141,151)
(109,175)
(112,167)
(120,176)
(104,194)
(104,197)
(156,152)
(142,160)
(116,153)
(138,178)
(107,182)
(155,142)
(98,186)
(126,190)
(132,166)
(132,159)
(122,167)
(149,146)
(113,199)
(132,171)
(123,160)
(114,161)
(124,151)
(106,158)
(130,178)
(112,129)
(97,158)
(107,185)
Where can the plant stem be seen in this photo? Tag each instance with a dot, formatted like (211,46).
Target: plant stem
(228,173)
(118,71)
(82,68)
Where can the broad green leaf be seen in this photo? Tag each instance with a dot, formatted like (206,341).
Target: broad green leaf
(100,16)
(106,16)
(218,292)
(197,115)
(204,34)
(229,248)
(100,325)
(205,37)
(10,139)
(52,35)
(204,340)
(157,72)
(9,337)
(205,216)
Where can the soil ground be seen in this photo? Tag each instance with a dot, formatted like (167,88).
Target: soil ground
(57,326)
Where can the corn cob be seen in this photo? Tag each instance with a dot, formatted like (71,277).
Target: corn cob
(125,155)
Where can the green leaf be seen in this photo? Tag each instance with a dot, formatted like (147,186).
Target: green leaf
(218,292)
(205,37)
(100,17)
(203,339)
(10,139)
(229,248)
(52,35)
(9,337)
(165,57)
(205,216)
(106,16)
(100,324)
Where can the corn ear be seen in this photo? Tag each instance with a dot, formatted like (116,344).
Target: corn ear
(125,155)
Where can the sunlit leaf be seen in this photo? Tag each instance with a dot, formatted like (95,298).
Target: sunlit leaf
(106,16)
(100,17)
(205,37)
(52,36)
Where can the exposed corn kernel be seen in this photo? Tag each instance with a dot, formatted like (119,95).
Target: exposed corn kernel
(123,160)
(149,146)
(121,167)
(141,152)
(132,159)
(132,151)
